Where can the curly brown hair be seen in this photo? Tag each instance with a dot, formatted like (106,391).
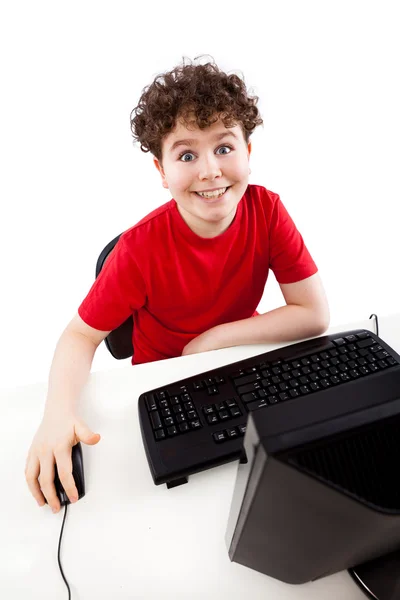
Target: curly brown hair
(196,94)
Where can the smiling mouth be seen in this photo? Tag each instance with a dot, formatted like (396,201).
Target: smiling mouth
(210,196)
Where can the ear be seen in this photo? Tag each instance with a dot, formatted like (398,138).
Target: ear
(161,171)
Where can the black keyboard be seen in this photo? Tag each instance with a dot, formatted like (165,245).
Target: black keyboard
(199,422)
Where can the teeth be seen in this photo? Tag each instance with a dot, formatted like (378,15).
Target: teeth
(212,194)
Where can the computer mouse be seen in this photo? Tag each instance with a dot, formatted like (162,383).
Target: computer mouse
(77,473)
(379,578)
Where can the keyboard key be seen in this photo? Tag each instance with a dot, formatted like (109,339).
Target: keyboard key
(354,373)
(180,418)
(208,410)
(163,404)
(235,411)
(294,393)
(250,387)
(192,414)
(160,434)
(242,429)
(339,341)
(284,396)
(220,406)
(196,424)
(314,386)
(172,431)
(231,403)
(169,421)
(232,433)
(162,395)
(364,370)
(183,427)
(212,419)
(155,420)
(219,436)
(223,415)
(365,343)
(325,383)
(150,402)
(174,400)
(256,405)
(198,385)
(351,338)
(249,397)
(213,391)
(246,379)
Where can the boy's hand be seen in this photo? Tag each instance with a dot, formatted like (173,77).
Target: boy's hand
(53,443)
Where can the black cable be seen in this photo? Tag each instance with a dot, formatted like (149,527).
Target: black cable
(376,322)
(59,547)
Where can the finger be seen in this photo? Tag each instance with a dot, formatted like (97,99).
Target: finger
(85,435)
(32,471)
(64,468)
(46,480)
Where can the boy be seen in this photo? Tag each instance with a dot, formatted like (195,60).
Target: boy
(193,271)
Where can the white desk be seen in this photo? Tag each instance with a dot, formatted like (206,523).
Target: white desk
(127,538)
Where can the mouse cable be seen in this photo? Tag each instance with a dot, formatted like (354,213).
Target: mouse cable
(59,546)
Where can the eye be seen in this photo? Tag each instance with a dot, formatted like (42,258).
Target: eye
(185,154)
(228,147)
(181,157)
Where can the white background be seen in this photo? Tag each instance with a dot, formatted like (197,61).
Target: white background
(327,75)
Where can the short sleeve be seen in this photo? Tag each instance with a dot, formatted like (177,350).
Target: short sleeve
(290,259)
(117,292)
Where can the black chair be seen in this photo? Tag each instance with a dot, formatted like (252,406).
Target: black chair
(119,341)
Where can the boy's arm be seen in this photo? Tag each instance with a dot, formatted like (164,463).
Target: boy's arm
(61,428)
(305,315)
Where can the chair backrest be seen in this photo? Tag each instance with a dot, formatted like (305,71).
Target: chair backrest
(119,341)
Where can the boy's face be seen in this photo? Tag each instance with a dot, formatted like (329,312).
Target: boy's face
(214,158)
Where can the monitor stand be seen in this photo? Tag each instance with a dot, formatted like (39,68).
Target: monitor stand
(379,579)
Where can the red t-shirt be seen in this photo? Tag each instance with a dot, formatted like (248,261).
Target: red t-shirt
(178,285)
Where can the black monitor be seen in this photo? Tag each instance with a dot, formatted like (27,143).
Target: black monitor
(318,487)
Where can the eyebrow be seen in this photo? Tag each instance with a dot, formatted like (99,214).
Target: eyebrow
(192,142)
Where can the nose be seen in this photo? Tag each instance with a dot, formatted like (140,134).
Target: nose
(209,168)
